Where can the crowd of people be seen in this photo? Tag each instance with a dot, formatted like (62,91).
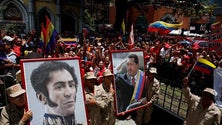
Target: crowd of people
(161,56)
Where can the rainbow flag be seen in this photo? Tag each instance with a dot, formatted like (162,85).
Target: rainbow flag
(204,66)
(163,28)
(42,38)
(48,35)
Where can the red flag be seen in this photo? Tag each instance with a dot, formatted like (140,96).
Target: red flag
(131,38)
(85,32)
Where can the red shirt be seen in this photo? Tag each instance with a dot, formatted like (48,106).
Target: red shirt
(17,51)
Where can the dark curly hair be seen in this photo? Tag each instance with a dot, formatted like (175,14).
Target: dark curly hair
(40,75)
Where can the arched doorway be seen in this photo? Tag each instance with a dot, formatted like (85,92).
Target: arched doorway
(68,22)
(13,16)
(42,17)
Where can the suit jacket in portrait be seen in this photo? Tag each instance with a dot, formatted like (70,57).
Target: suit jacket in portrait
(126,92)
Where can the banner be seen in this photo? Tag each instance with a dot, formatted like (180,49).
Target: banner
(217,46)
(218,86)
(37,74)
(129,93)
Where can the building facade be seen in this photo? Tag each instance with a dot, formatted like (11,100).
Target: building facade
(25,15)
(73,15)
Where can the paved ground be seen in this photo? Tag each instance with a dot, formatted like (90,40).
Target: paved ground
(125,122)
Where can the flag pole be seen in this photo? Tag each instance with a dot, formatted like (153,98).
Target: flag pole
(188,75)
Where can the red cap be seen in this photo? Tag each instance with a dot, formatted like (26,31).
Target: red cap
(167,45)
(89,63)
(147,57)
(186,57)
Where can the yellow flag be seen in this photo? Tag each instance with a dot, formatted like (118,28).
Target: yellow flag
(123,27)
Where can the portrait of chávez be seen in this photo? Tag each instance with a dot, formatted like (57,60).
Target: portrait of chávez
(56,84)
(129,80)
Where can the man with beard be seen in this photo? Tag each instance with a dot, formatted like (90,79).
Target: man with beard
(55,84)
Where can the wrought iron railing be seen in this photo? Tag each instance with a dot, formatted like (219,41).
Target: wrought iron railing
(172,100)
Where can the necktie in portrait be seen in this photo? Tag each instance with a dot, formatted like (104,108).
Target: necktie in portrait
(133,81)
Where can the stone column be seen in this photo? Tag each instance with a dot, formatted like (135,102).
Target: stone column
(81,16)
(58,17)
(31,20)
(1,16)
(1,12)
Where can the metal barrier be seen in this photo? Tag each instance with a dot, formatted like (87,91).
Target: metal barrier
(171,99)
(5,80)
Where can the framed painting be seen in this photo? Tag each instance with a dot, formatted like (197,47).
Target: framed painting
(54,91)
(129,80)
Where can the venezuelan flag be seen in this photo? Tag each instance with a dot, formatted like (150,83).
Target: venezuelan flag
(204,66)
(50,35)
(215,25)
(163,27)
